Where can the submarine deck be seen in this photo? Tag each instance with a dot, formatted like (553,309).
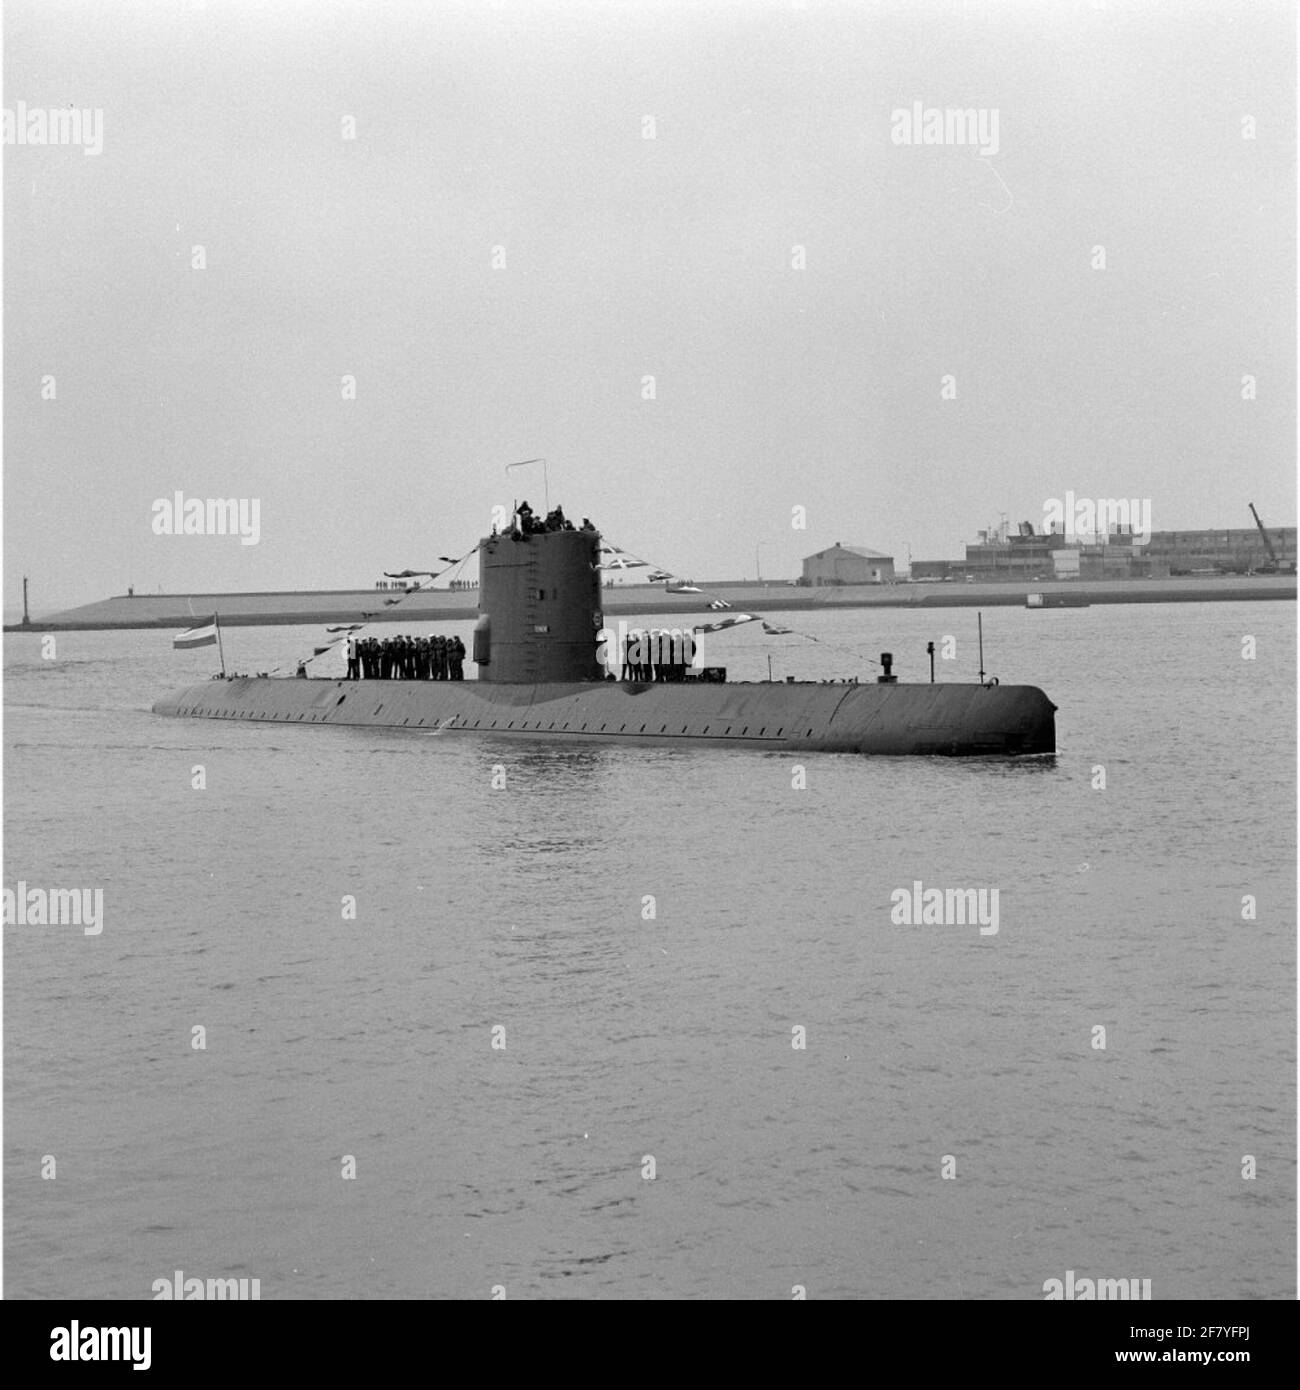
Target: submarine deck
(946,718)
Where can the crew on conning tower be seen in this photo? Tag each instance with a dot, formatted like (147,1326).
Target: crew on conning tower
(526,524)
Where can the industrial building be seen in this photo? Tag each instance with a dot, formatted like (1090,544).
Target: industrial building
(1049,555)
(1229,552)
(847,564)
(1030,555)
(1025,555)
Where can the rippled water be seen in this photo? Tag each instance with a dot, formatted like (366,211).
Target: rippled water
(522,907)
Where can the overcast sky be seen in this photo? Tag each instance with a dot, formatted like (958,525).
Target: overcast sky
(504,124)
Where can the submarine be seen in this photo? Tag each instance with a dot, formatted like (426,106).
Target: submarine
(545,673)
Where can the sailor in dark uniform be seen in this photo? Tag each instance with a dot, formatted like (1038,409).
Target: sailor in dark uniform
(457,659)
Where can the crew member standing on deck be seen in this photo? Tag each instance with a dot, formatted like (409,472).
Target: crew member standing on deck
(354,666)
(457,659)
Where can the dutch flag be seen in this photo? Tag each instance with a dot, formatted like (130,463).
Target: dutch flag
(205,636)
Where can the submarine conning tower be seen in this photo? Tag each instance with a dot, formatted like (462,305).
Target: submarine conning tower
(539,605)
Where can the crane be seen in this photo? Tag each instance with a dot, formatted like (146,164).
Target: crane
(1274,566)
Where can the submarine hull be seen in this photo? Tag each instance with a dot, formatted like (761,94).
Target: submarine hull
(938,719)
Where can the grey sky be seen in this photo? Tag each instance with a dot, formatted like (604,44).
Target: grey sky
(521,125)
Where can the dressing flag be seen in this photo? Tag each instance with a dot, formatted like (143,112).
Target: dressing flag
(726,622)
(621,562)
(683,589)
(205,636)
(776,631)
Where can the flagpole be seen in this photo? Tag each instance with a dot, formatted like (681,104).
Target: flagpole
(216,622)
(546,481)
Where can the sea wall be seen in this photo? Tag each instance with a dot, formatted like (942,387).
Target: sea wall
(177,611)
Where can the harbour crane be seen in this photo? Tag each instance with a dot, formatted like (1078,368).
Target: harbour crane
(1274,566)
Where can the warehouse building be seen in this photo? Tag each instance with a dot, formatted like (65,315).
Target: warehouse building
(1235,551)
(847,564)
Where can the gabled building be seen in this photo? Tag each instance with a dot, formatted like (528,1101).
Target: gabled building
(847,564)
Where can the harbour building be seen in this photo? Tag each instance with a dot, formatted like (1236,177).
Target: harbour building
(1030,555)
(847,564)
